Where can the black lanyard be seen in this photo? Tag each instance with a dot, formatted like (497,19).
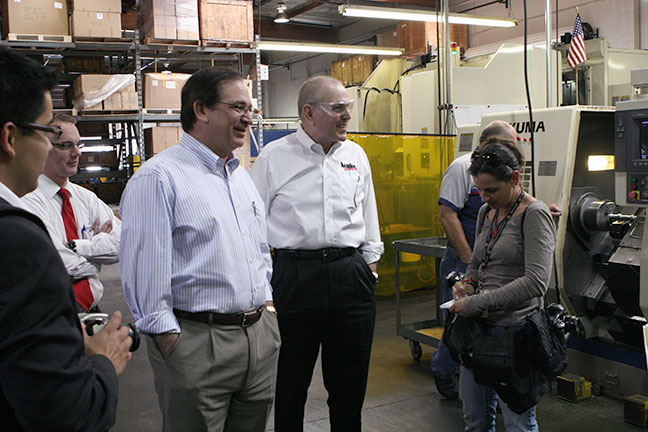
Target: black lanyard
(494,233)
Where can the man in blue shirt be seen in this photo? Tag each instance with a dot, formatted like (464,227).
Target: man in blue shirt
(196,266)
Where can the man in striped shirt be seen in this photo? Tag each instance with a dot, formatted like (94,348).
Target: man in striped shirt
(195,265)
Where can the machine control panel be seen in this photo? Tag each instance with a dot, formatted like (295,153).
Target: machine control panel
(631,153)
(637,188)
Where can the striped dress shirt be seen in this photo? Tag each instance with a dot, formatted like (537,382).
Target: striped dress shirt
(193,238)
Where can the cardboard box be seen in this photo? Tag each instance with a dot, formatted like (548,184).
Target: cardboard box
(187,28)
(162,90)
(158,27)
(45,17)
(96,24)
(229,20)
(115,102)
(186,8)
(128,100)
(148,8)
(129,20)
(93,82)
(97,6)
(84,64)
(103,159)
(157,139)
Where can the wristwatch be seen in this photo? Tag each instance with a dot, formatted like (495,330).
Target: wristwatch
(272,309)
(71,245)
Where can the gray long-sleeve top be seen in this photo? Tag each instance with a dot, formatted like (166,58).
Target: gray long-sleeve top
(518,273)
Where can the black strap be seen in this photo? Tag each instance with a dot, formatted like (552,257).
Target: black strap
(490,241)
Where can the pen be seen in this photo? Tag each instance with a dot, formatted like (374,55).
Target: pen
(83,232)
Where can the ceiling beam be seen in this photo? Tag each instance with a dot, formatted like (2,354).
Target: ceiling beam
(299,32)
(427,3)
(308,6)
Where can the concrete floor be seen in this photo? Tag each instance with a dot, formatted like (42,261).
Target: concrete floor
(401,395)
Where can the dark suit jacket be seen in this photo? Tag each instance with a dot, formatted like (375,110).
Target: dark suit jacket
(47,383)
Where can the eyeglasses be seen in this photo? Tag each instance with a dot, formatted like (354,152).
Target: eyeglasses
(56,131)
(241,108)
(67,145)
(490,159)
(335,108)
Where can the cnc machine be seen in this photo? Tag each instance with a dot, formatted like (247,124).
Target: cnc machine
(593,163)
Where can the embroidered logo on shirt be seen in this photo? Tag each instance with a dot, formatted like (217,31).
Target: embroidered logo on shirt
(348,166)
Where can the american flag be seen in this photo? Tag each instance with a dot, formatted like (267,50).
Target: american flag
(577,53)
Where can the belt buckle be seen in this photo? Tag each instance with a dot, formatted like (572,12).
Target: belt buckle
(244,322)
(325,255)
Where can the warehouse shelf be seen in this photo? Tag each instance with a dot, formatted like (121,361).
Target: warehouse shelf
(128,55)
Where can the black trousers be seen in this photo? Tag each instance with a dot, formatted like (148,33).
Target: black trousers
(332,304)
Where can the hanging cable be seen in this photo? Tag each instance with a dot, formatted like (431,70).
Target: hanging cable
(436,4)
(528,94)
(369,89)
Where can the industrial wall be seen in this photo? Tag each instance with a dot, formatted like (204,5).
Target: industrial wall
(623,22)
(617,20)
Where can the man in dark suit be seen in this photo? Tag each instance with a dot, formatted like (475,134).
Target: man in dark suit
(53,377)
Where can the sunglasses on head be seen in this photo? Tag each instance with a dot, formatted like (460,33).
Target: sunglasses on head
(490,159)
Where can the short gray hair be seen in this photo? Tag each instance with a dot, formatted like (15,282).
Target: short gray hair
(63,117)
(310,91)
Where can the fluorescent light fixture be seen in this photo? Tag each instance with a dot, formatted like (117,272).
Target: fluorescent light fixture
(327,48)
(419,15)
(97,149)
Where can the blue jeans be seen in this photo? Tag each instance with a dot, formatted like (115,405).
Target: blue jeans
(480,403)
(441,363)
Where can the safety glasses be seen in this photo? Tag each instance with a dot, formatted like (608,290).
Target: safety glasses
(335,108)
(56,131)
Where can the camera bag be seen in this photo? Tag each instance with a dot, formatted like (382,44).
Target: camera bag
(547,343)
(459,337)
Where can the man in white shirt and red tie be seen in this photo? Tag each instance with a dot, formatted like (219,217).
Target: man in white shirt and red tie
(323,224)
(83,228)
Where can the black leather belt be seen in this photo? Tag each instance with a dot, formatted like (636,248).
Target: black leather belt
(243,319)
(328,254)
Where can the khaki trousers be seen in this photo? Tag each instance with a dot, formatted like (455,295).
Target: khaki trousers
(219,377)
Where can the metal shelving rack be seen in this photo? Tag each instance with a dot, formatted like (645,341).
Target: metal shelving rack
(131,55)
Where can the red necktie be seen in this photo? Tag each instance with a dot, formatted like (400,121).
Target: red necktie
(81,287)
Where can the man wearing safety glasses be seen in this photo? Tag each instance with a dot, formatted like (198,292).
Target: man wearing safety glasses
(53,376)
(83,228)
(323,224)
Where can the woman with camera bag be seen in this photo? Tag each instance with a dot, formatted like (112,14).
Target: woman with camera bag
(506,280)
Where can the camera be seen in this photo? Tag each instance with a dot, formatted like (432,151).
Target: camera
(453,277)
(94,322)
(560,320)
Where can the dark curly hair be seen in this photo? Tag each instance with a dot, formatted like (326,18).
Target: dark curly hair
(497,157)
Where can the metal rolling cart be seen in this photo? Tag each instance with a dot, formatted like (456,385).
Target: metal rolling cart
(428,331)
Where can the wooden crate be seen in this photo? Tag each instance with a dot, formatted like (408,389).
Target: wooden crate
(416,37)
(226,20)
(362,66)
(342,70)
